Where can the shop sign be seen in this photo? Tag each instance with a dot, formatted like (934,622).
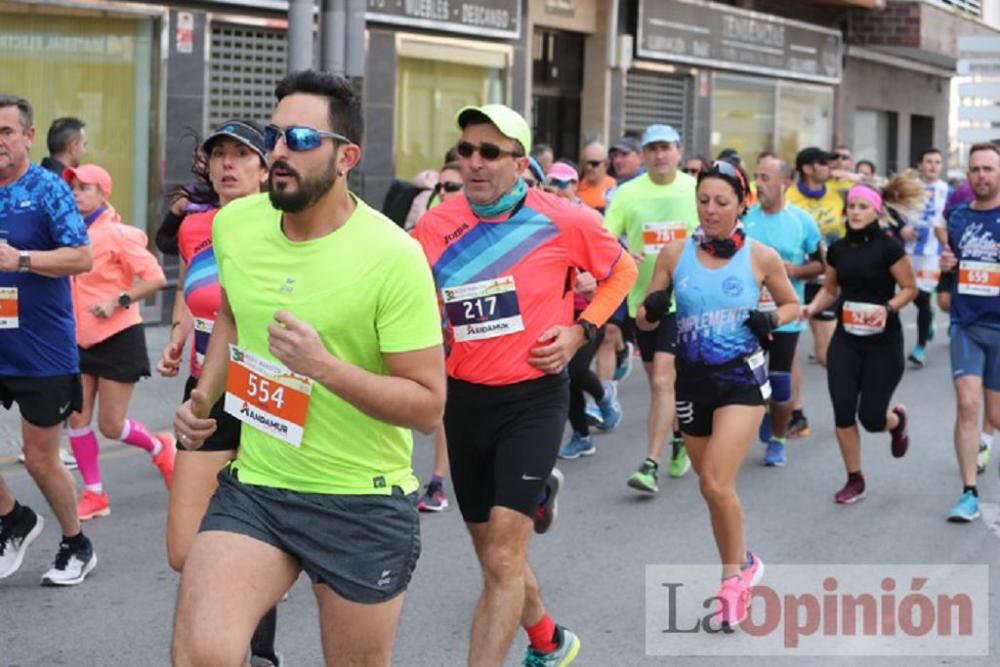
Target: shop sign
(56,45)
(185,32)
(704,33)
(491,18)
(574,15)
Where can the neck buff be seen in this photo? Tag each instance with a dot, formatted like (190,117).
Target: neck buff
(92,218)
(724,248)
(505,204)
(808,192)
(863,235)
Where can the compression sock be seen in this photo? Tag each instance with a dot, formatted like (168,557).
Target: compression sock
(135,433)
(542,635)
(83,441)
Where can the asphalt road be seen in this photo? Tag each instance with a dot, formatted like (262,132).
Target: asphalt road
(593,565)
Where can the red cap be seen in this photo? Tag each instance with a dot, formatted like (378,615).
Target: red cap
(90,174)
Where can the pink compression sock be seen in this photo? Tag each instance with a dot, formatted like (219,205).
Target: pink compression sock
(135,434)
(85,448)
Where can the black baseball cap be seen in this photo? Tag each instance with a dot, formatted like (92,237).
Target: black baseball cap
(243,132)
(812,155)
(627,145)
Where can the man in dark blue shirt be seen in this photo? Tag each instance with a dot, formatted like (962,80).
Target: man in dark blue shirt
(42,241)
(974,249)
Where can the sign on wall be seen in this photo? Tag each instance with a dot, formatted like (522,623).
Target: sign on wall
(492,18)
(704,33)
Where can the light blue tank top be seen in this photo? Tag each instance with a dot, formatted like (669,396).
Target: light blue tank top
(712,305)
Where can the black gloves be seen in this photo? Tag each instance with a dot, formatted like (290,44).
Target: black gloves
(762,324)
(657,305)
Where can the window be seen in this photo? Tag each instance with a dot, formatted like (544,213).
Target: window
(755,115)
(875,139)
(435,80)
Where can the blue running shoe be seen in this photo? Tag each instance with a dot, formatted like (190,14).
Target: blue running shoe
(775,456)
(611,411)
(966,510)
(624,367)
(918,357)
(765,432)
(578,445)
(594,417)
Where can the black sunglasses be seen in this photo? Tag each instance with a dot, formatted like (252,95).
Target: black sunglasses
(841,156)
(692,171)
(595,163)
(450,186)
(557,183)
(486,151)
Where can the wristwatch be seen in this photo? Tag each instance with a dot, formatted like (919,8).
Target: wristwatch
(889,310)
(124,300)
(589,330)
(23,261)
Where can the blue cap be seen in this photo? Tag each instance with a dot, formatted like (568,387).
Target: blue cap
(536,169)
(656,133)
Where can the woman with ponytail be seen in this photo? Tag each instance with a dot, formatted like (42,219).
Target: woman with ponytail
(722,383)
(865,361)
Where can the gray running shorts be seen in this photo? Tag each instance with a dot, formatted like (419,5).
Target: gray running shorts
(363,547)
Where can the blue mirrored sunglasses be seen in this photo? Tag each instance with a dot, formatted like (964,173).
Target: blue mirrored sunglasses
(299,138)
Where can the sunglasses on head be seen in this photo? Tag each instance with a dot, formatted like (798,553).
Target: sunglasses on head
(726,169)
(450,186)
(299,138)
(486,151)
(557,183)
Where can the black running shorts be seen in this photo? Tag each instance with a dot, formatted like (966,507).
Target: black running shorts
(661,339)
(503,441)
(701,390)
(364,547)
(43,401)
(120,358)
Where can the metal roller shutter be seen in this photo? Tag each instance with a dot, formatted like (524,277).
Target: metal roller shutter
(652,97)
(245,64)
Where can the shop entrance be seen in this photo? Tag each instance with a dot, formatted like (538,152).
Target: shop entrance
(557,80)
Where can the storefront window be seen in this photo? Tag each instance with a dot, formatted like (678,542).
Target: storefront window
(874,139)
(98,70)
(434,82)
(742,116)
(757,115)
(805,118)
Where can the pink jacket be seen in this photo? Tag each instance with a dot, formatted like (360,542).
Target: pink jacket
(120,255)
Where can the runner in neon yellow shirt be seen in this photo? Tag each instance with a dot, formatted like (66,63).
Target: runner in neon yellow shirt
(327,346)
(651,211)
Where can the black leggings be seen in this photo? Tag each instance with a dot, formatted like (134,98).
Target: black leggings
(925,315)
(582,379)
(862,374)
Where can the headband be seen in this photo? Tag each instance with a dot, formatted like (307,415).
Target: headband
(866,193)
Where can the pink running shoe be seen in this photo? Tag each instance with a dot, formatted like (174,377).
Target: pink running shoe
(92,505)
(734,602)
(753,574)
(165,459)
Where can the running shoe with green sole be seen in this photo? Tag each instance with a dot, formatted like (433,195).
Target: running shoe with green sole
(679,461)
(646,478)
(569,648)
